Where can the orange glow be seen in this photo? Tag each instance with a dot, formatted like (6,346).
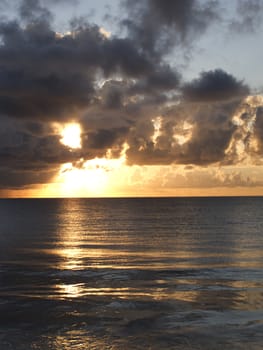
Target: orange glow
(94,177)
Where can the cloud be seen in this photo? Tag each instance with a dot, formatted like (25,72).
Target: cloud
(50,76)
(156,25)
(29,152)
(216,85)
(31,10)
(249,16)
(17,179)
(121,89)
(100,140)
(189,134)
(199,177)
(163,79)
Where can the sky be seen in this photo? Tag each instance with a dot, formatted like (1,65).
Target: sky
(131,98)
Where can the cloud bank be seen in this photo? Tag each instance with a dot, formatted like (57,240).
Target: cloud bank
(121,89)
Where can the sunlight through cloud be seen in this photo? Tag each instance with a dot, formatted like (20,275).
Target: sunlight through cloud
(71,135)
(93,176)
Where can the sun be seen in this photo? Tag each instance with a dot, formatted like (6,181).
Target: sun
(71,135)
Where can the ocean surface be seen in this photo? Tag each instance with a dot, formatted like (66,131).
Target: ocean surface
(152,273)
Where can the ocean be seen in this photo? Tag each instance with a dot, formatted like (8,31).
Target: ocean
(141,273)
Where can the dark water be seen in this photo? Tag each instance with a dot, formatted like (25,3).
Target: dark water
(131,274)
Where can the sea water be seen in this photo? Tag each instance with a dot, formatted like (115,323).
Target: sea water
(147,273)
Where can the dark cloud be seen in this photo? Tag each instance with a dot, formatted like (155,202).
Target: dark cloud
(162,80)
(46,75)
(189,134)
(158,25)
(17,179)
(123,55)
(33,82)
(103,139)
(112,94)
(30,151)
(43,97)
(26,151)
(211,134)
(214,85)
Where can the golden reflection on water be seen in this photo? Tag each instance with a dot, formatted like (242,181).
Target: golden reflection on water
(80,247)
(72,235)
(102,277)
(70,258)
(70,290)
(69,247)
(74,339)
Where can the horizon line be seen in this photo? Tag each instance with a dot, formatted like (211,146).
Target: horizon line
(140,197)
